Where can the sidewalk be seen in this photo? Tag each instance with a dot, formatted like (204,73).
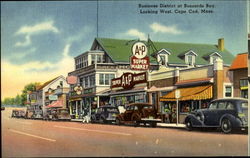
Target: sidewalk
(76,120)
(168,125)
(171,125)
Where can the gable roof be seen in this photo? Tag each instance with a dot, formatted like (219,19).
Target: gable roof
(239,62)
(120,49)
(46,83)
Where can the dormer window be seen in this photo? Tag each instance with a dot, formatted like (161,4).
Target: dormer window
(162,56)
(213,57)
(190,57)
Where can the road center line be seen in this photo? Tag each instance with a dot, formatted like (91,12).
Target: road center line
(27,123)
(90,130)
(27,134)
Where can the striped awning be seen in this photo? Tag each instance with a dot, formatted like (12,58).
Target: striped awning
(191,93)
(55,104)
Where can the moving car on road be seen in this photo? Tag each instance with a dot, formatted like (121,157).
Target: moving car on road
(137,113)
(227,114)
(105,114)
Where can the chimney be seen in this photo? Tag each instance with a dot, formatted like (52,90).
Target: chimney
(221,44)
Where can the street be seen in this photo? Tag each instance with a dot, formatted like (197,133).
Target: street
(38,138)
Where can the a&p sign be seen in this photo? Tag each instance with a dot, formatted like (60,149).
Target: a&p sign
(139,60)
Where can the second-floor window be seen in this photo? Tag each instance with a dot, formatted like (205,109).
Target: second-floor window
(105,79)
(228,91)
(96,58)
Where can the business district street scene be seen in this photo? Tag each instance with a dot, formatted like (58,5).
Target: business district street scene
(36,138)
(105,79)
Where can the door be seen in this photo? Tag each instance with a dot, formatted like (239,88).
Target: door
(98,113)
(128,113)
(210,114)
(221,111)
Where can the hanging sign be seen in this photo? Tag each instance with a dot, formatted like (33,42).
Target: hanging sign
(129,80)
(78,90)
(71,79)
(177,94)
(53,97)
(139,59)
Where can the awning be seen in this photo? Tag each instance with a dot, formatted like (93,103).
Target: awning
(191,93)
(56,104)
(154,89)
(133,90)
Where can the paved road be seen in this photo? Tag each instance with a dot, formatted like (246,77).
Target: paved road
(37,138)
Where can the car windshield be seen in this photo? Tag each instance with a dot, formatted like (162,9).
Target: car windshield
(112,110)
(63,111)
(244,105)
(147,107)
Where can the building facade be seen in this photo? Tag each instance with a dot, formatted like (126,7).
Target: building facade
(110,59)
(239,68)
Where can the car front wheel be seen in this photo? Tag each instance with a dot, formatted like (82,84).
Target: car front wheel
(189,125)
(226,126)
(117,121)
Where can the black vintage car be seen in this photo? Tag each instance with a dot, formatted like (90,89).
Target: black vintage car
(227,114)
(105,114)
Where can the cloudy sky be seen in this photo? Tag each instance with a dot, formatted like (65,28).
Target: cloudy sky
(40,39)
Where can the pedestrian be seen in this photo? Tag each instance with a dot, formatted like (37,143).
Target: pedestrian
(167,112)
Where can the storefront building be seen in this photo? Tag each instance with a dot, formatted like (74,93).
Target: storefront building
(240,69)
(196,87)
(185,66)
(107,59)
(129,88)
(112,58)
(52,93)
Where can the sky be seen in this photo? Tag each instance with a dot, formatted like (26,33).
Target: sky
(39,39)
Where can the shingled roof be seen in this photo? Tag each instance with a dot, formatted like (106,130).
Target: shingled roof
(46,83)
(240,61)
(120,49)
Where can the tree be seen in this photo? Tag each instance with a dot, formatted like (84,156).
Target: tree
(28,87)
(20,100)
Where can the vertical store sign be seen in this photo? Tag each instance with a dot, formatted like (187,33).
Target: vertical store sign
(139,60)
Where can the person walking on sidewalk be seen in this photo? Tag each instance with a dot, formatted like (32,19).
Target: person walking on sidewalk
(167,111)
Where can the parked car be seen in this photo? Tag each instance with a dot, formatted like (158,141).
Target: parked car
(105,114)
(227,114)
(18,113)
(137,113)
(29,112)
(57,114)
